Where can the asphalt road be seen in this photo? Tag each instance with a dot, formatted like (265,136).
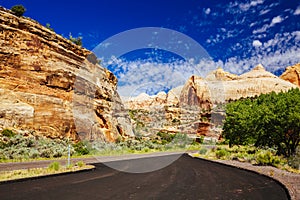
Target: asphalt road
(186,178)
(90,160)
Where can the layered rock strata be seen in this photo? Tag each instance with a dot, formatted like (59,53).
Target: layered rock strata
(54,87)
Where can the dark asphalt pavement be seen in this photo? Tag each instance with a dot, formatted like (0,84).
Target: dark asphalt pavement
(186,178)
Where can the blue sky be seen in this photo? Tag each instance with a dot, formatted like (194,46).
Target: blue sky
(236,34)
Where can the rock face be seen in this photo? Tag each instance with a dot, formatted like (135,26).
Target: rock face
(292,74)
(47,83)
(218,89)
(198,106)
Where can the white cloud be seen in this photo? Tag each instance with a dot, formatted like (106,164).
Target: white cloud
(262,29)
(262,12)
(255,3)
(247,6)
(143,76)
(207,11)
(135,77)
(256,43)
(253,24)
(152,78)
(297,11)
(297,35)
(237,7)
(276,20)
(223,29)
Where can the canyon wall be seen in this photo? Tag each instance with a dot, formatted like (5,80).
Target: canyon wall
(53,87)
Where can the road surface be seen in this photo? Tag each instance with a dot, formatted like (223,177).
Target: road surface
(186,178)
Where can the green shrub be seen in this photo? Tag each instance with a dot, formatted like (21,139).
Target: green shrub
(77,41)
(203,151)
(8,133)
(294,161)
(80,164)
(54,166)
(221,153)
(46,153)
(266,157)
(81,149)
(166,137)
(18,10)
(27,145)
(270,120)
(48,26)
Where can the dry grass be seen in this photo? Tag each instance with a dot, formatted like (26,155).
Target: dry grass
(36,172)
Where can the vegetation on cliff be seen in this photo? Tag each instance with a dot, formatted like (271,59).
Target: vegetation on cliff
(18,10)
(75,40)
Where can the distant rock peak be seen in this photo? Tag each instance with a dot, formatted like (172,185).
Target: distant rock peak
(259,67)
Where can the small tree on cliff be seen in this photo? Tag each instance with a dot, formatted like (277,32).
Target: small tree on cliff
(18,10)
(77,40)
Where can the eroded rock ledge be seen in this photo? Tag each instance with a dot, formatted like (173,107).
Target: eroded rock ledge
(39,72)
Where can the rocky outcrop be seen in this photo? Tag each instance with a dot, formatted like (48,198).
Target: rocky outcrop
(220,75)
(198,106)
(54,87)
(216,89)
(292,74)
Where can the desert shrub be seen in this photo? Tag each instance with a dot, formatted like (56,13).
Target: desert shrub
(81,149)
(26,145)
(294,161)
(8,133)
(265,157)
(80,164)
(57,153)
(54,166)
(77,41)
(18,10)
(203,151)
(46,153)
(34,154)
(221,153)
(166,136)
(48,26)
(181,140)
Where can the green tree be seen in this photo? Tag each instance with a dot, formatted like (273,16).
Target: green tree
(18,10)
(271,120)
(48,26)
(77,40)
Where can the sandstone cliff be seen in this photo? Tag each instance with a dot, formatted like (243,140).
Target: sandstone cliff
(54,87)
(218,89)
(292,74)
(198,106)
